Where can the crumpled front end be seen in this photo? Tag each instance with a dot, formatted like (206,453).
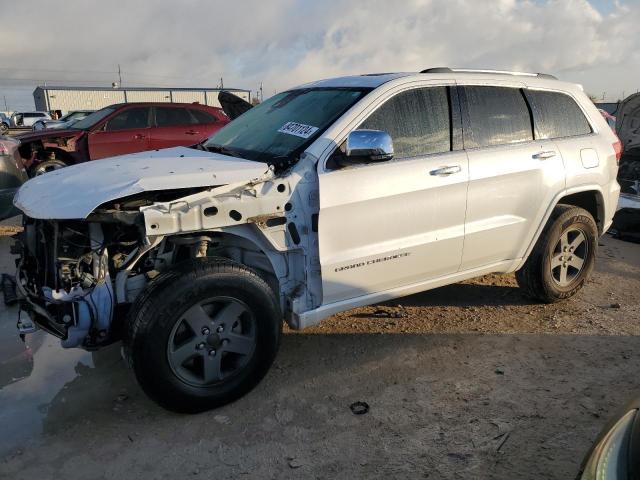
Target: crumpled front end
(64,279)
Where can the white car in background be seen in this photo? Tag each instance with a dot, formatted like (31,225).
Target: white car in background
(27,119)
(63,122)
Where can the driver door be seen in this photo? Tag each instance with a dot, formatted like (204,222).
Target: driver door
(392,224)
(127,131)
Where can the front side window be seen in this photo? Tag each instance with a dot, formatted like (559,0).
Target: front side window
(129,119)
(496,116)
(418,121)
(281,127)
(556,115)
(172,116)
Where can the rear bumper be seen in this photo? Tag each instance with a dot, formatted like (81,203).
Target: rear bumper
(611,204)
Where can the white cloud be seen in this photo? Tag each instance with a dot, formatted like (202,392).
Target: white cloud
(287,42)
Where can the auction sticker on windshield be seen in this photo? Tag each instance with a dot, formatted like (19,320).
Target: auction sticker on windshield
(298,129)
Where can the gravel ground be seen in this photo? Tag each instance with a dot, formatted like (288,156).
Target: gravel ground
(609,304)
(475,382)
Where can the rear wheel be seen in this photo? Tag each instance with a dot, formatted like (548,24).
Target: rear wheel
(563,258)
(4,128)
(203,334)
(47,166)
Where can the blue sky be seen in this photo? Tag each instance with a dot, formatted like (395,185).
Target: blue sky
(286,42)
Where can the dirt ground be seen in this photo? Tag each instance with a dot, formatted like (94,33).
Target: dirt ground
(470,381)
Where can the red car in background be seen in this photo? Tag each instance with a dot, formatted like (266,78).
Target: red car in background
(120,129)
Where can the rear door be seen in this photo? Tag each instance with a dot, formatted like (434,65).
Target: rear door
(513,177)
(126,131)
(179,126)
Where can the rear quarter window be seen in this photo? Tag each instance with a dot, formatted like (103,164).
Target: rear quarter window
(202,117)
(556,115)
(495,116)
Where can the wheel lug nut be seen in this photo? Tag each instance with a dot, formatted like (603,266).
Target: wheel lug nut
(200,346)
(212,353)
(225,341)
(205,331)
(220,329)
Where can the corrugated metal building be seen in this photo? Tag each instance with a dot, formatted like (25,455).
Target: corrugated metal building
(66,99)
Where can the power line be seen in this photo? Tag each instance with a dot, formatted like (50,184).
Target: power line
(100,72)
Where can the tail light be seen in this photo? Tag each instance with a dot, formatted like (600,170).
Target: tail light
(617,148)
(8,145)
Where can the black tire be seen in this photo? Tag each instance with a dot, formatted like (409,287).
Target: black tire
(159,310)
(537,277)
(46,166)
(4,128)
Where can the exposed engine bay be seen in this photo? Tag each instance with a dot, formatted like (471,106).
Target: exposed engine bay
(65,278)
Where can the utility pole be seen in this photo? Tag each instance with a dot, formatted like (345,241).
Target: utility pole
(261,95)
(119,76)
(221,84)
(6,108)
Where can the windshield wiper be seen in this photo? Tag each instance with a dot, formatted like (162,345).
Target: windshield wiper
(217,148)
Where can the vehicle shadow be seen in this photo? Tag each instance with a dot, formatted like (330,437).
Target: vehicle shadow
(466,295)
(451,406)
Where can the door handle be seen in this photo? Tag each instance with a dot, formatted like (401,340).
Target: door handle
(544,155)
(444,171)
(139,136)
(191,132)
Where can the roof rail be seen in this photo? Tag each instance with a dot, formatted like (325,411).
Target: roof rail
(498,72)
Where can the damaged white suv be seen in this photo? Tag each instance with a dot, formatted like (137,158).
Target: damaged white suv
(328,196)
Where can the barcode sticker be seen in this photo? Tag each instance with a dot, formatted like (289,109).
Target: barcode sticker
(298,129)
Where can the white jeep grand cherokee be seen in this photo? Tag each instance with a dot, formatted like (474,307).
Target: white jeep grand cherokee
(328,196)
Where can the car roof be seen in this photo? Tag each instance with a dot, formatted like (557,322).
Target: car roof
(161,104)
(462,75)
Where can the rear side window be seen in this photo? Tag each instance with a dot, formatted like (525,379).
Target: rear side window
(168,117)
(496,116)
(417,120)
(202,117)
(129,119)
(556,115)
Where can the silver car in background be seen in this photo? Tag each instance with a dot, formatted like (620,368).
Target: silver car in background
(5,123)
(63,122)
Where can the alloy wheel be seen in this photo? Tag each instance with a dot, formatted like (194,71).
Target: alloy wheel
(213,340)
(569,256)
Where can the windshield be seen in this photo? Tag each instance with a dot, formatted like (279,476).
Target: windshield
(77,115)
(279,128)
(90,120)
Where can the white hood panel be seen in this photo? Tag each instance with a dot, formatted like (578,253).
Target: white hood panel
(74,192)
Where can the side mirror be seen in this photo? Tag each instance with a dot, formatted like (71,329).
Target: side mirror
(366,146)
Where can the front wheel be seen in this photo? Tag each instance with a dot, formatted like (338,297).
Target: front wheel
(4,128)
(203,334)
(563,257)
